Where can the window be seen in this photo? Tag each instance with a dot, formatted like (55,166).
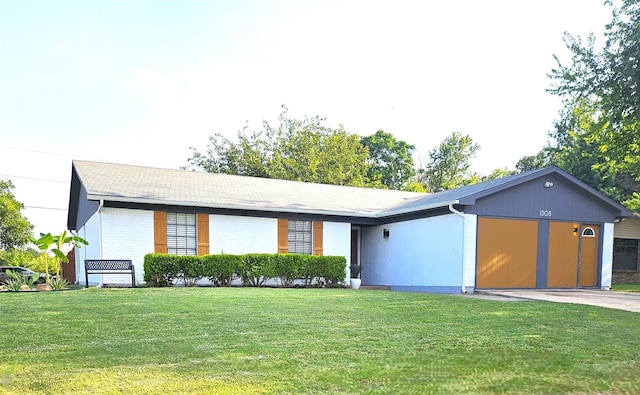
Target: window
(181,234)
(300,237)
(625,254)
(588,232)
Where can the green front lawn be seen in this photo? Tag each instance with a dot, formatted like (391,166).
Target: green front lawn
(626,287)
(228,341)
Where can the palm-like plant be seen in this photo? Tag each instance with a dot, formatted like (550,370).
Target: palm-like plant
(355,270)
(48,243)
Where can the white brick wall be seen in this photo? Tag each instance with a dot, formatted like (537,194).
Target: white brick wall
(242,235)
(91,233)
(336,240)
(126,234)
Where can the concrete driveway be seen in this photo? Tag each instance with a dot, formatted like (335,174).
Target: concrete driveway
(629,301)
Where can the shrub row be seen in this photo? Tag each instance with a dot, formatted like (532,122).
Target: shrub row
(161,270)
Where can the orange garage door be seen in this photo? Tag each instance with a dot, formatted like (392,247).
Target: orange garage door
(507,253)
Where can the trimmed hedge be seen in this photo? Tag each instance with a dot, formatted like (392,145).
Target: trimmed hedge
(253,270)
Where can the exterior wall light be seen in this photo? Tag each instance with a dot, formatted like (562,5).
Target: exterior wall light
(385,233)
(548,184)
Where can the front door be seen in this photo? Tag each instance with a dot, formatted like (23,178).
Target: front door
(562,262)
(588,255)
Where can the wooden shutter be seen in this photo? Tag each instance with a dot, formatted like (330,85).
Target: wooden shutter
(283,235)
(160,232)
(317,238)
(203,233)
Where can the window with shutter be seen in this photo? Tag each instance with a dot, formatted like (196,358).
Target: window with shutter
(300,237)
(181,234)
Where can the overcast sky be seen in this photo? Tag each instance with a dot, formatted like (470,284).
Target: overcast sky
(141,81)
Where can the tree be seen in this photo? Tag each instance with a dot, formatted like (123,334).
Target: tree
(576,152)
(449,163)
(297,149)
(607,83)
(15,230)
(534,162)
(499,173)
(390,160)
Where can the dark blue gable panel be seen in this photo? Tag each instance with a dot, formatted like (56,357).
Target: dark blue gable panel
(563,200)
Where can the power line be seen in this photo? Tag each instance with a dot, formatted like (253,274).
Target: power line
(46,208)
(36,151)
(33,178)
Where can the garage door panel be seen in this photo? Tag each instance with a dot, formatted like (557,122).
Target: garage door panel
(507,253)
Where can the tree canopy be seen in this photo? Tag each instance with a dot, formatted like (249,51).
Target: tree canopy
(297,149)
(598,135)
(390,161)
(449,163)
(308,150)
(15,230)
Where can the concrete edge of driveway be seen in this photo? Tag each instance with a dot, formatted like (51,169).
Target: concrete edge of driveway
(629,301)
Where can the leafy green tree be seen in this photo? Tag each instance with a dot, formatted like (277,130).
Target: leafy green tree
(534,162)
(499,173)
(15,229)
(605,84)
(297,149)
(390,160)
(449,163)
(576,152)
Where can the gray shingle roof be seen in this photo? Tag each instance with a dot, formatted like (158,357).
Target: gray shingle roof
(138,184)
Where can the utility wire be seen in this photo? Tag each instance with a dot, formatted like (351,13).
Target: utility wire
(46,208)
(33,178)
(36,151)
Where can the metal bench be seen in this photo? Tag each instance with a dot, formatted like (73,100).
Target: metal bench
(109,266)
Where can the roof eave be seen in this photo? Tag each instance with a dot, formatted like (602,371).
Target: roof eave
(369,215)
(293,210)
(426,207)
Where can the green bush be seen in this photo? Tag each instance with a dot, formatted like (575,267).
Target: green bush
(333,269)
(30,258)
(220,269)
(189,269)
(160,269)
(288,268)
(256,269)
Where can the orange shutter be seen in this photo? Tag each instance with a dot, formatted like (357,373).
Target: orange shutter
(317,238)
(283,235)
(203,233)
(160,231)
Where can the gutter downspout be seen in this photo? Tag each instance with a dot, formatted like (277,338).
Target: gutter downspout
(461,215)
(100,226)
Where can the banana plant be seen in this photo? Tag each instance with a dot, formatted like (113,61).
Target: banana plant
(48,243)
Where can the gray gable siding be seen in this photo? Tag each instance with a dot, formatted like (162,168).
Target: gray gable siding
(80,207)
(563,201)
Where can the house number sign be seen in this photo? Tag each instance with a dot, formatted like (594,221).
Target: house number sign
(545,213)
